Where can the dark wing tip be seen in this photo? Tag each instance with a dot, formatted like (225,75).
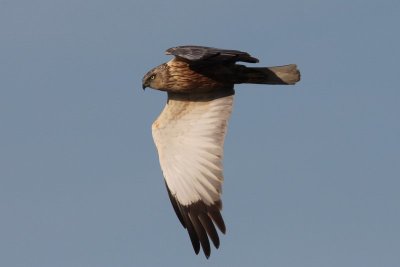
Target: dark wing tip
(199,219)
(175,205)
(215,215)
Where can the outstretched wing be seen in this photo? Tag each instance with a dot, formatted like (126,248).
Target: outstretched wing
(197,54)
(189,136)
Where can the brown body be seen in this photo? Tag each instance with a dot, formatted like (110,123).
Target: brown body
(180,76)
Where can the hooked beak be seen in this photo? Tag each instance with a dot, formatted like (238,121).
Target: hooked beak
(145,84)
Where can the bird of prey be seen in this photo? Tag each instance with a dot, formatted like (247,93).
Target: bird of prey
(189,133)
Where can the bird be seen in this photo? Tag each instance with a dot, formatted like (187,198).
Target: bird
(190,131)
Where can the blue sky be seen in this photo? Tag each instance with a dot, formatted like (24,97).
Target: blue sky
(311,171)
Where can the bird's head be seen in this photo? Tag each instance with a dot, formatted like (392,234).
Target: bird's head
(156,77)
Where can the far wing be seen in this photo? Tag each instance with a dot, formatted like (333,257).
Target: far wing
(189,135)
(203,54)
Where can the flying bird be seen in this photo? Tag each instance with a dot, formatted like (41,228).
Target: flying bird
(189,133)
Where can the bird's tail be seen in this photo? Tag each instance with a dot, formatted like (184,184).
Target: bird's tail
(288,74)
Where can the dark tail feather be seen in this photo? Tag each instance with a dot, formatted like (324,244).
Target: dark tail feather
(288,74)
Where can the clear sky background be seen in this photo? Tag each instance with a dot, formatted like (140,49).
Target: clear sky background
(311,171)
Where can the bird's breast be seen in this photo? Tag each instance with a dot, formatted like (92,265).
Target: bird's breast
(183,78)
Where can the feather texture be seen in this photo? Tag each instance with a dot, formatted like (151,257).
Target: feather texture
(200,54)
(189,135)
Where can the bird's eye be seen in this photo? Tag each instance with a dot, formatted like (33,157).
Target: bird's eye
(152,77)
